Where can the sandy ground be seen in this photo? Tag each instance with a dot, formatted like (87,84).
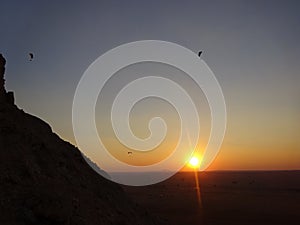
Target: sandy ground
(225,198)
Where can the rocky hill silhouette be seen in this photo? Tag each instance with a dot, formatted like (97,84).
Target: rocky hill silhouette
(45,180)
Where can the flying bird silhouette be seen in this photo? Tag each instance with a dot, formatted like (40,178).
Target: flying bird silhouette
(199,54)
(30,56)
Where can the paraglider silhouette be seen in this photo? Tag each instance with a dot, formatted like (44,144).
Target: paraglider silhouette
(199,54)
(30,56)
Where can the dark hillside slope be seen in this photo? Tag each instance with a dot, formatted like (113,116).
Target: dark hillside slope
(45,180)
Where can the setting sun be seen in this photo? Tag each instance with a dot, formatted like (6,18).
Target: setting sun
(194,162)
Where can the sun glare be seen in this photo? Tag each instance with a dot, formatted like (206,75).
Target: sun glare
(194,162)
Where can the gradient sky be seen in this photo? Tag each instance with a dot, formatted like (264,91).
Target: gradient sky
(251,46)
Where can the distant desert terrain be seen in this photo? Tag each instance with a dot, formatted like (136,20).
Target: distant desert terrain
(271,197)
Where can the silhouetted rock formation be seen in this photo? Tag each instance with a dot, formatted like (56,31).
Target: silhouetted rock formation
(45,180)
(4,96)
(2,81)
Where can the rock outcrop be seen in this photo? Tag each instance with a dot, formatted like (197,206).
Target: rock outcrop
(45,180)
(4,96)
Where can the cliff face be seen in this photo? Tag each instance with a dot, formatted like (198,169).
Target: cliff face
(45,180)
(4,96)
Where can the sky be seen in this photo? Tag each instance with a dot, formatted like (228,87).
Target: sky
(251,46)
